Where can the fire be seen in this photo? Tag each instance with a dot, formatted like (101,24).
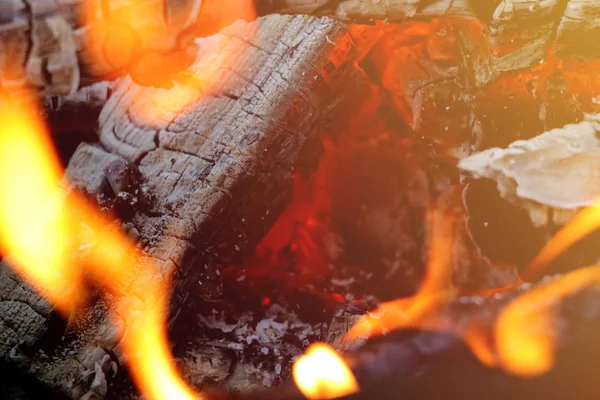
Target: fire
(54,239)
(31,209)
(154,41)
(584,223)
(435,290)
(322,374)
(525,333)
(58,241)
(524,329)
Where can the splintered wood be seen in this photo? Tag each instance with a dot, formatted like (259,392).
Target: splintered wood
(48,45)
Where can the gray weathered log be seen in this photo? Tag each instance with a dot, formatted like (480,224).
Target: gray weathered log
(219,172)
(520,31)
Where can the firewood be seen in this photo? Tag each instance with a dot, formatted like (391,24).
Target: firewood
(520,32)
(62,58)
(437,364)
(218,173)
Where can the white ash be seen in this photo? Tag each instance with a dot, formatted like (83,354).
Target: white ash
(258,353)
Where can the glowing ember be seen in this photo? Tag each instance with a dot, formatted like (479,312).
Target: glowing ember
(41,232)
(322,374)
(525,334)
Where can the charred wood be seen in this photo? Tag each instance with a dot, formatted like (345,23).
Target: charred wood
(215,175)
(436,364)
(520,32)
(47,46)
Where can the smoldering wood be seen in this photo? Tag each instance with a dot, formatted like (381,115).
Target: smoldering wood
(219,174)
(46,45)
(445,87)
(436,364)
(520,32)
(439,365)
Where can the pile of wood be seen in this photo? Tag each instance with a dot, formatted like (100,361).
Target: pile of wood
(198,188)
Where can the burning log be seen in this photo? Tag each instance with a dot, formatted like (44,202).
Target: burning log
(437,361)
(76,45)
(211,179)
(197,171)
(446,367)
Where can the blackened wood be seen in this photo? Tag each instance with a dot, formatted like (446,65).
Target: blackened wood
(520,32)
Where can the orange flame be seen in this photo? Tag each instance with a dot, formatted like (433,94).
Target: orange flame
(584,223)
(153,41)
(524,329)
(435,290)
(524,336)
(31,209)
(42,228)
(525,333)
(322,374)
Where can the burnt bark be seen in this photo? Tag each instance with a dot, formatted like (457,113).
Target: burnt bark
(213,176)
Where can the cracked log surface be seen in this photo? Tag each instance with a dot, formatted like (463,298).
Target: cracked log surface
(520,31)
(219,172)
(47,44)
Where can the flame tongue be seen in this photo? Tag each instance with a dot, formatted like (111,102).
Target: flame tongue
(33,227)
(435,290)
(41,227)
(525,332)
(322,374)
(584,223)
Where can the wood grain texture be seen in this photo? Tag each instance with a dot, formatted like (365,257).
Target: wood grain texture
(46,44)
(219,172)
(520,31)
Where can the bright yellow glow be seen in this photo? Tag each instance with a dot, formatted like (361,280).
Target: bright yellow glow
(525,333)
(584,223)
(322,374)
(52,239)
(31,209)
(135,37)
